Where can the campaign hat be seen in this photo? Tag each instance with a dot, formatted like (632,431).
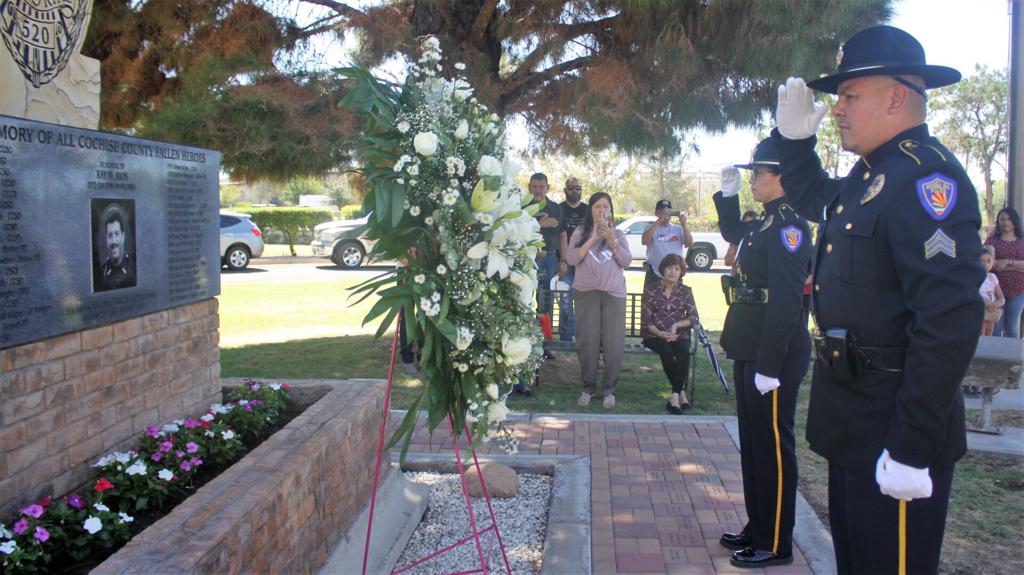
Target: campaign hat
(766,155)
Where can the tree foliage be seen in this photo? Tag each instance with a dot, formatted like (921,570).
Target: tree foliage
(975,124)
(289,221)
(237,75)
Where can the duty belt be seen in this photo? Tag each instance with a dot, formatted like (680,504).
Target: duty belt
(747,295)
(838,350)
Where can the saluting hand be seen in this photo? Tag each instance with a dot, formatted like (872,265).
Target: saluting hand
(730,180)
(797,114)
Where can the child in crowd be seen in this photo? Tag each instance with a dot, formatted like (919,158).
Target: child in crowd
(990,292)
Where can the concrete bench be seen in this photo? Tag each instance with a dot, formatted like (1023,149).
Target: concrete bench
(996,365)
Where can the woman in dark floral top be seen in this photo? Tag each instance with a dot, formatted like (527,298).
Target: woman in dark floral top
(668,312)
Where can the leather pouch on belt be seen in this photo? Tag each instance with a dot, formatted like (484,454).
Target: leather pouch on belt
(837,348)
(727,288)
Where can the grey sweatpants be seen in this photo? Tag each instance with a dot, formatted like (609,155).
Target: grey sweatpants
(600,328)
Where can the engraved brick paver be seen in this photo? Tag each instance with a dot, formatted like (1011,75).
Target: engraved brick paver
(661,492)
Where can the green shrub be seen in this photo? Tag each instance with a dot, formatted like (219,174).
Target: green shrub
(289,221)
(351,212)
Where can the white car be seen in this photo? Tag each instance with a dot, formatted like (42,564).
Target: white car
(707,246)
(345,252)
(240,240)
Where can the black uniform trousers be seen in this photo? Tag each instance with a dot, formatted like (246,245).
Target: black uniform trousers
(675,359)
(874,533)
(768,451)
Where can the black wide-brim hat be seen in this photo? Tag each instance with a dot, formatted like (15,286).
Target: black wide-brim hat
(883,51)
(766,155)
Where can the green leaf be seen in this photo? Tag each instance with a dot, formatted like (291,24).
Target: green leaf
(448,330)
(388,322)
(397,205)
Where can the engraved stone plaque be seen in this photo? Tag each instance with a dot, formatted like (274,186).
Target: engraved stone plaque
(96,228)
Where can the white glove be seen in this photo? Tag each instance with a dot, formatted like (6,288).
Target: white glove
(902,481)
(730,179)
(797,114)
(765,384)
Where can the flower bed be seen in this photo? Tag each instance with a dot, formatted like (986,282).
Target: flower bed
(79,529)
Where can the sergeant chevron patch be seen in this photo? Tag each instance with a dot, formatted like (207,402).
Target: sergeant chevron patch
(939,243)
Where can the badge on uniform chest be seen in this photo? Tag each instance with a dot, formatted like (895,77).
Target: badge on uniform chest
(874,189)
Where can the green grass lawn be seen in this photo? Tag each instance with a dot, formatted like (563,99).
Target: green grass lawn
(301,330)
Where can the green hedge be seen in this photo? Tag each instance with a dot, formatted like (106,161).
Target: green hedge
(350,212)
(289,221)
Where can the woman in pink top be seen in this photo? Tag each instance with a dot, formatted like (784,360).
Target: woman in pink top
(1008,241)
(600,254)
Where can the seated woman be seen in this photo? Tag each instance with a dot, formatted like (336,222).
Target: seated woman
(667,314)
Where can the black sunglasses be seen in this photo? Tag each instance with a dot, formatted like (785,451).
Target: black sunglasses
(574,187)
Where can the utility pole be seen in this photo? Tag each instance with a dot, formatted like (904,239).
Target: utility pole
(1015,153)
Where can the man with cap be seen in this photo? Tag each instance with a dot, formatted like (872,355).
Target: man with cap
(895,299)
(765,334)
(663,237)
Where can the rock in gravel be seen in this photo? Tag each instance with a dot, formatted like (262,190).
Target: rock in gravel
(501,480)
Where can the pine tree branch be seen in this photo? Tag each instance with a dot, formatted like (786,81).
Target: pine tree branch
(516,91)
(340,8)
(483,19)
(564,33)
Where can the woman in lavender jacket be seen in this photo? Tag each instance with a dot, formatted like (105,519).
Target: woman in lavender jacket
(600,254)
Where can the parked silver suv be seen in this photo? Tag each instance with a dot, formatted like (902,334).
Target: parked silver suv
(345,252)
(240,240)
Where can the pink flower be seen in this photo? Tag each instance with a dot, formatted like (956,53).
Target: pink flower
(179,453)
(196,462)
(153,431)
(74,500)
(103,485)
(166,446)
(157,456)
(21,526)
(186,466)
(191,447)
(191,423)
(286,387)
(34,510)
(42,534)
(248,407)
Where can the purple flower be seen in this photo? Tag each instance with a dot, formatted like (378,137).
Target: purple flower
(42,534)
(157,456)
(256,402)
(76,501)
(166,446)
(196,462)
(153,431)
(191,447)
(21,526)
(186,466)
(34,510)
(247,407)
(179,453)
(191,423)
(255,385)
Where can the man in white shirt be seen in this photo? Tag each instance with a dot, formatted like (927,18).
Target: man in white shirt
(663,237)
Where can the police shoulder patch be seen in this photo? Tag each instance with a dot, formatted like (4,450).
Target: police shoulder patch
(792,238)
(937,194)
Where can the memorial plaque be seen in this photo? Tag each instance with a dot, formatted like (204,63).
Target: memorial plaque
(96,228)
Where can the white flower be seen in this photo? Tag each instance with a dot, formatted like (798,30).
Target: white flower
(168,428)
(208,433)
(5,533)
(460,66)
(275,386)
(430,308)
(414,211)
(165,474)
(458,90)
(492,390)
(432,44)
(403,126)
(413,170)
(100,507)
(470,418)
(441,270)
(207,418)
(428,220)
(463,338)
(450,197)
(104,461)
(527,286)
(124,457)
(125,517)
(8,547)
(455,166)
(479,251)
(218,408)
(462,367)
(227,434)
(419,278)
(92,525)
(489,166)
(497,412)
(425,143)
(462,130)
(137,468)
(435,297)
(516,350)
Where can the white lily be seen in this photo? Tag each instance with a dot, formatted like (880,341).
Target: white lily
(483,200)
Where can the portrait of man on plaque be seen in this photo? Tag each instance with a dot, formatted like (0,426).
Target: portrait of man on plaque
(113,242)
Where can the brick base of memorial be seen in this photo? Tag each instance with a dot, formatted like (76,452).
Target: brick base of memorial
(283,507)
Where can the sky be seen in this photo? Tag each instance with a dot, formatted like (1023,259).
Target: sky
(954,33)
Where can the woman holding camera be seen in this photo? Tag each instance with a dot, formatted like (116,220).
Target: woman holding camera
(666,318)
(765,334)
(600,254)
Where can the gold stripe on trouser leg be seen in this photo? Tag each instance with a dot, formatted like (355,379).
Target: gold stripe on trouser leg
(903,538)
(778,466)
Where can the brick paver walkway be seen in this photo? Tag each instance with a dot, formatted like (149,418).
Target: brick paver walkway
(661,492)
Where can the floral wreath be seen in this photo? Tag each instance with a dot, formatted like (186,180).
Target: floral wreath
(445,204)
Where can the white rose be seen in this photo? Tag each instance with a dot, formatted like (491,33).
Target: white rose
(492,390)
(462,130)
(425,143)
(489,166)
(516,350)
(497,412)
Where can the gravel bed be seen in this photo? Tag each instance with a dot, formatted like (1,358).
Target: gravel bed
(522,521)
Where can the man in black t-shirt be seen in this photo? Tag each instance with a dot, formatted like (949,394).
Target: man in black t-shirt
(573,212)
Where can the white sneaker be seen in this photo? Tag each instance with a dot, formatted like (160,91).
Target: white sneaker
(609,401)
(584,399)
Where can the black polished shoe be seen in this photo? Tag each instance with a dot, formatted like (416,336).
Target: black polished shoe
(523,390)
(757,558)
(735,541)
(673,409)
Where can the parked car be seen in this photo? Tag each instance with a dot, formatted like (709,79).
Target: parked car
(240,240)
(707,246)
(345,252)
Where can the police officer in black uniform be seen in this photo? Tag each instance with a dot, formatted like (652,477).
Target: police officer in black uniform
(895,299)
(118,269)
(766,336)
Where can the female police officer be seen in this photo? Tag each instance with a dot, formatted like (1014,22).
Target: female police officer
(766,336)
